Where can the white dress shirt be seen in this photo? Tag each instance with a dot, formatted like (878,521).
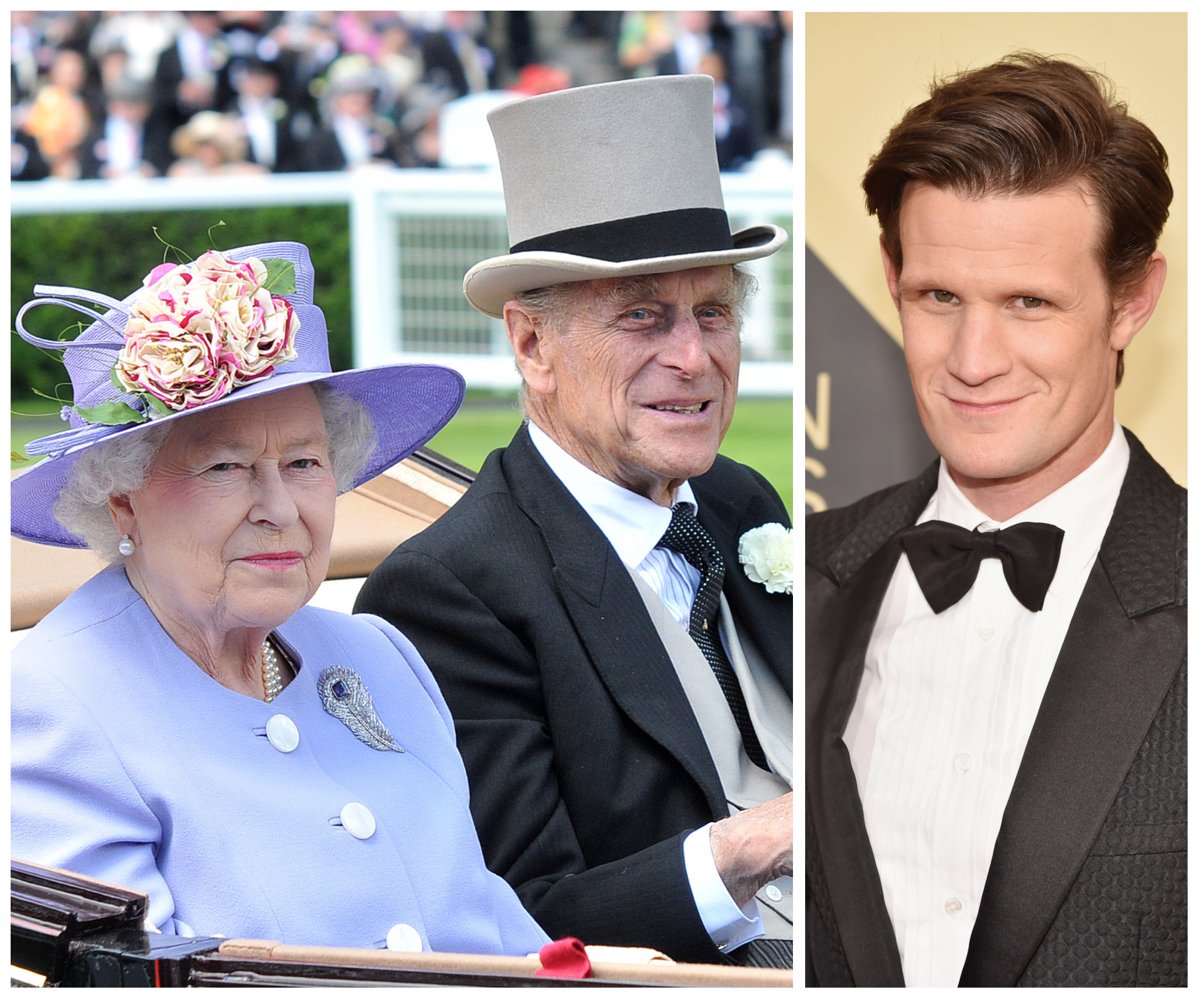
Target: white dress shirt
(354,138)
(123,141)
(634,525)
(945,709)
(259,122)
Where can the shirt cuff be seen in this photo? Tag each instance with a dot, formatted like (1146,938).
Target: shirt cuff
(728,924)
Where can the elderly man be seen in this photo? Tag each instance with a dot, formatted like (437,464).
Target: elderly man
(996,678)
(621,686)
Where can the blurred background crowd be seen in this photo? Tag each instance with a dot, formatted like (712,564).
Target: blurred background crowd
(104,94)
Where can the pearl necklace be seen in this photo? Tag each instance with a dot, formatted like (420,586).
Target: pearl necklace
(272,672)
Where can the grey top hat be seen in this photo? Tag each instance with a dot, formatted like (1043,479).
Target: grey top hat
(610,180)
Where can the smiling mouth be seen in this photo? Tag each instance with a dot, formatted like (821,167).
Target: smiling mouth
(668,408)
(983,405)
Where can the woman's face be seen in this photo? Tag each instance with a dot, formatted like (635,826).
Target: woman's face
(233,527)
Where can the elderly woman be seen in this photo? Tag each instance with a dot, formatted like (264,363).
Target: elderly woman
(183,724)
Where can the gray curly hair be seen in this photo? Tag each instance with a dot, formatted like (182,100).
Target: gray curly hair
(122,466)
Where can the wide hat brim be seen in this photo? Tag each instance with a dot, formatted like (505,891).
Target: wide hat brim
(422,397)
(493,282)
(408,404)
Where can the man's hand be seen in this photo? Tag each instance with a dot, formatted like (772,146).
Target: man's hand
(753,847)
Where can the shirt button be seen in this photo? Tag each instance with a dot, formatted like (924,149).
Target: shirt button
(404,937)
(282,733)
(773,893)
(986,632)
(954,906)
(358,820)
(963,762)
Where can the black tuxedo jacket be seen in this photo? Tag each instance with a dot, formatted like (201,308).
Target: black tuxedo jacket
(1088,880)
(587,766)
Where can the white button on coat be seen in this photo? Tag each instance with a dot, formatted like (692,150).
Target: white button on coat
(282,733)
(774,894)
(358,820)
(404,937)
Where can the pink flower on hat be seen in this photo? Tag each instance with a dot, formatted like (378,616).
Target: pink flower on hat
(182,369)
(197,331)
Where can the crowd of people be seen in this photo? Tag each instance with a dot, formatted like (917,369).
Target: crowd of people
(111,94)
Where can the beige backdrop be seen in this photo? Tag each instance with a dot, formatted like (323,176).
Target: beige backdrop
(864,70)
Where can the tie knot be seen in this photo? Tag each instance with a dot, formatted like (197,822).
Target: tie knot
(688,537)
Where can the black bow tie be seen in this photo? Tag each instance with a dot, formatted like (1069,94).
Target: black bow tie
(945,559)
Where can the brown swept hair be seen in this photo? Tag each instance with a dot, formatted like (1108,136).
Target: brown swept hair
(1024,125)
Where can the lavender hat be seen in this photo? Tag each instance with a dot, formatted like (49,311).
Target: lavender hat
(287,346)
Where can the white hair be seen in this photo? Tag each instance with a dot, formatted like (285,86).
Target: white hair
(122,466)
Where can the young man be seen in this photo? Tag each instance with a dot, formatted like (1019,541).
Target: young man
(995,660)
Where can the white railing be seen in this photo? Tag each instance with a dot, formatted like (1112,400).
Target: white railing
(414,233)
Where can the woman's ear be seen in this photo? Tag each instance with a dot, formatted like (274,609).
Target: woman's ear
(121,510)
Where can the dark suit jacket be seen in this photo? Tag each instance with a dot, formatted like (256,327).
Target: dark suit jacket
(93,151)
(323,151)
(169,112)
(587,766)
(1088,881)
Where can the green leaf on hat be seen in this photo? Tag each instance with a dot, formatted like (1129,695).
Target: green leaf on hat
(111,414)
(281,276)
(156,404)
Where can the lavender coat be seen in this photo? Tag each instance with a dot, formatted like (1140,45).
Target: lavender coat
(133,766)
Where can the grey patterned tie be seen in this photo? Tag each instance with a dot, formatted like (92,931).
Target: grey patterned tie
(688,537)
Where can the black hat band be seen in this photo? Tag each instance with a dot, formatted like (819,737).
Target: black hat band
(659,234)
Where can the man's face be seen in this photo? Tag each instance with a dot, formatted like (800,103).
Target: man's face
(1008,337)
(638,380)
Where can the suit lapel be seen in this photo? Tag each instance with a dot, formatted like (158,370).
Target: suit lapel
(1118,659)
(834,661)
(754,609)
(1093,717)
(842,610)
(610,617)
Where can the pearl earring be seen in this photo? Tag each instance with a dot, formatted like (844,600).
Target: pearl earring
(125,547)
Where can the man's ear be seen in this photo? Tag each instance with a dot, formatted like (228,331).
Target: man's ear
(1137,306)
(891,273)
(531,348)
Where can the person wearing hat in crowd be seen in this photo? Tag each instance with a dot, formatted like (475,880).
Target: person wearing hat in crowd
(621,683)
(129,141)
(183,724)
(212,143)
(267,120)
(353,135)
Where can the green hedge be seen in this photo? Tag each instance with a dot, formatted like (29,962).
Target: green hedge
(112,252)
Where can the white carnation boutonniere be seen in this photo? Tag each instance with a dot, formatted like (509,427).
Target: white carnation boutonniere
(765,553)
